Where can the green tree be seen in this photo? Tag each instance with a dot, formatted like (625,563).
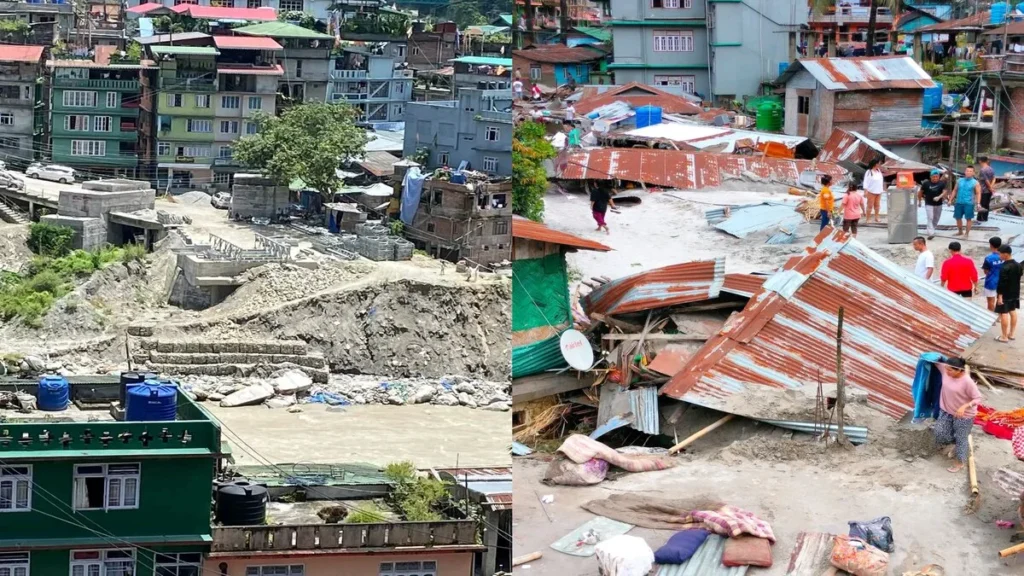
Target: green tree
(822,6)
(529,179)
(307,142)
(466,14)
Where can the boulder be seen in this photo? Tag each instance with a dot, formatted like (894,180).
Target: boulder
(215,397)
(280,402)
(466,400)
(292,381)
(248,396)
(395,399)
(497,407)
(423,394)
(447,400)
(465,388)
(33,364)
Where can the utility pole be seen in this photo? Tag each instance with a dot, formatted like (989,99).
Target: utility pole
(840,384)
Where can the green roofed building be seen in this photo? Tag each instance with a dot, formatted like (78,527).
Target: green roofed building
(541,309)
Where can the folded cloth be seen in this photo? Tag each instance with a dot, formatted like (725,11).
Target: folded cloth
(580,449)
(747,551)
(649,512)
(731,521)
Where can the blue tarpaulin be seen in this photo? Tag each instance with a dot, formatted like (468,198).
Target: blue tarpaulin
(412,188)
(927,384)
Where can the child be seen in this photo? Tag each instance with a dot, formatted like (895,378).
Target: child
(854,205)
(826,202)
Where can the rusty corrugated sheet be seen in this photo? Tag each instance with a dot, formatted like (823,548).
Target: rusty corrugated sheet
(530,230)
(875,73)
(658,288)
(975,21)
(843,146)
(679,169)
(706,561)
(636,95)
(643,403)
(499,501)
(743,284)
(785,337)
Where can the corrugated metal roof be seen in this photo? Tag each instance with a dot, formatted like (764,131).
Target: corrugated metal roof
(186,50)
(843,146)
(658,288)
(161,38)
(530,230)
(558,54)
(643,403)
(20,53)
(882,72)
(218,13)
(246,43)
(378,163)
(280,30)
(706,561)
(811,555)
(701,136)
(484,61)
(973,22)
(743,284)
(144,8)
(785,337)
(679,169)
(636,95)
(746,220)
(498,501)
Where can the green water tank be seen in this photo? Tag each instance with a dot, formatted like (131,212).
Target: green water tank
(769,117)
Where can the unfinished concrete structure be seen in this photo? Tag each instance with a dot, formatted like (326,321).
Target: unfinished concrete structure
(256,196)
(470,222)
(109,212)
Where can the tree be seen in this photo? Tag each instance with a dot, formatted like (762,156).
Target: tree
(822,6)
(466,14)
(306,142)
(529,179)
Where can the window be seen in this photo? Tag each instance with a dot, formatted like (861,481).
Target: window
(14,564)
(6,119)
(416,51)
(199,125)
(224,152)
(535,72)
(229,127)
(428,568)
(490,164)
(202,100)
(79,99)
(255,4)
(9,143)
(101,123)
(673,41)
(289,5)
(102,563)
(298,68)
(671,3)
(255,103)
(163,149)
(222,178)
(803,104)
(230,102)
(76,123)
(442,158)
(113,100)
(88,148)
(11,92)
(251,128)
(178,564)
(174,100)
(687,82)
(492,134)
(15,491)
(400,50)
(278,570)
(106,486)
(430,227)
(193,151)
(500,227)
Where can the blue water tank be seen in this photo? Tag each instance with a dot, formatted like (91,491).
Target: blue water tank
(997,13)
(782,67)
(648,116)
(54,393)
(152,401)
(932,98)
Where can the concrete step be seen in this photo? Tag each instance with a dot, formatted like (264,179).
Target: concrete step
(9,214)
(184,358)
(245,370)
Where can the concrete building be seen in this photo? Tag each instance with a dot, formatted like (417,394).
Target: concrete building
(470,221)
(376,84)
(484,72)
(432,50)
(305,60)
(846,24)
(109,212)
(476,128)
(20,94)
(48,20)
(319,9)
(94,119)
(554,64)
(721,50)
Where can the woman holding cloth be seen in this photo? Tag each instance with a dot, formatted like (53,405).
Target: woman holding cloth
(873,187)
(958,403)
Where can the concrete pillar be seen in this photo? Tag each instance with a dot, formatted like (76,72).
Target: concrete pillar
(792,46)
(918,48)
(31,210)
(997,118)
(491,542)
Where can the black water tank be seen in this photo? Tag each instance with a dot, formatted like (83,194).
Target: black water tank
(126,379)
(241,504)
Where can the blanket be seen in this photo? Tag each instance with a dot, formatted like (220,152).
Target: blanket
(681,514)
(580,449)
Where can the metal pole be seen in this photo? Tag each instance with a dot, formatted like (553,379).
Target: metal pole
(840,382)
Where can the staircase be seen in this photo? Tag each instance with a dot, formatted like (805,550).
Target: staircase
(9,213)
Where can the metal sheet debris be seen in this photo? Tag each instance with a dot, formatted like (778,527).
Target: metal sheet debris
(843,146)
(747,220)
(658,288)
(643,402)
(707,561)
(875,73)
(785,337)
(681,170)
(613,424)
(743,284)
(670,360)
(530,230)
(702,137)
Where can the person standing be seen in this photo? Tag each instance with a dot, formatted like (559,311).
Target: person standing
(968,195)
(1008,293)
(874,185)
(570,112)
(826,202)
(853,207)
(959,274)
(991,267)
(987,179)
(517,89)
(958,405)
(925,266)
(535,91)
(574,138)
(932,192)
(600,200)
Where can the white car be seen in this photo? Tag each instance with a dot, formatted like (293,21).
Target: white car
(53,172)
(221,200)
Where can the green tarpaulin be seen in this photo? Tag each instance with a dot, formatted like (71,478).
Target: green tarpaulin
(540,297)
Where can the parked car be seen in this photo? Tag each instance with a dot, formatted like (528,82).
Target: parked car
(221,200)
(54,172)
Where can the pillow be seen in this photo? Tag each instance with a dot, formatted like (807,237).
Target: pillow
(747,551)
(681,546)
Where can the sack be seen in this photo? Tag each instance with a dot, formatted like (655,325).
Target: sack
(1018,442)
(681,546)
(877,532)
(747,551)
(858,557)
(624,556)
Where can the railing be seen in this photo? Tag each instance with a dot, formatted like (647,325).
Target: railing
(495,116)
(96,83)
(348,74)
(347,96)
(847,15)
(188,84)
(16,102)
(348,536)
(402,74)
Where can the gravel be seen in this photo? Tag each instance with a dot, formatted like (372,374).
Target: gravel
(194,197)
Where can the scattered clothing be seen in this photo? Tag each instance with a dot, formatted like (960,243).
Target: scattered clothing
(732,522)
(681,546)
(952,430)
(583,540)
(580,449)
(991,266)
(959,274)
(650,512)
(925,262)
(624,555)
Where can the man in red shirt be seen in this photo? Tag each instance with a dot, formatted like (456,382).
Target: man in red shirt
(959,274)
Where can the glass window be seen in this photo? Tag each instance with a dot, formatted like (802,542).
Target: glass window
(255,103)
(178,565)
(15,488)
(79,99)
(202,100)
(113,100)
(230,102)
(101,123)
(105,486)
(490,164)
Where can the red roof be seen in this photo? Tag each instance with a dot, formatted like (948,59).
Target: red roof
(557,54)
(145,8)
(246,43)
(275,70)
(530,230)
(218,13)
(680,169)
(658,288)
(854,147)
(20,53)
(637,95)
(743,284)
(785,337)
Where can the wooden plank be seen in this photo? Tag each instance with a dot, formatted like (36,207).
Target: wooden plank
(661,337)
(543,385)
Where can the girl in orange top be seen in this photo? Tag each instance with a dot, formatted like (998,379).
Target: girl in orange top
(826,202)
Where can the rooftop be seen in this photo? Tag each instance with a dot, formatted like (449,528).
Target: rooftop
(530,230)
(484,61)
(20,53)
(274,70)
(184,50)
(281,30)
(161,38)
(378,163)
(977,21)
(636,95)
(246,43)
(558,54)
(219,13)
(874,73)
(101,58)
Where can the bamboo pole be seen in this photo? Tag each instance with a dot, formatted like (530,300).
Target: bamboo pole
(840,384)
(1011,550)
(699,434)
(526,558)
(972,471)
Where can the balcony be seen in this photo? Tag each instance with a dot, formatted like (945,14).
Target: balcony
(96,84)
(348,74)
(852,15)
(189,84)
(4,102)
(492,116)
(342,536)
(225,162)
(349,96)
(402,74)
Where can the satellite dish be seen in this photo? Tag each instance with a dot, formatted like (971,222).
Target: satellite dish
(576,350)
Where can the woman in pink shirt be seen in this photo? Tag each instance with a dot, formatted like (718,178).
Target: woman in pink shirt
(958,403)
(853,207)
